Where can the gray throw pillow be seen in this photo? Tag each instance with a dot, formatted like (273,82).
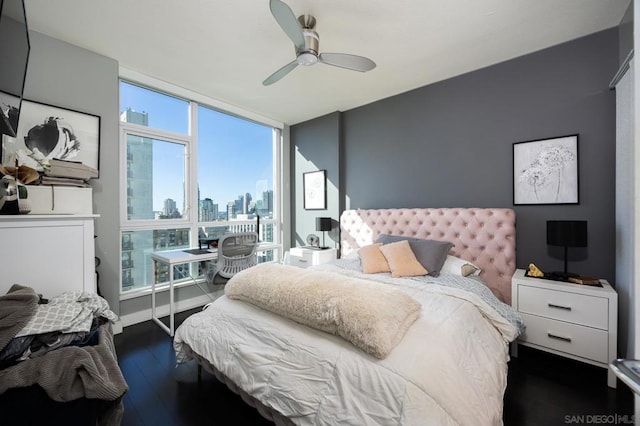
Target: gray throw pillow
(430,253)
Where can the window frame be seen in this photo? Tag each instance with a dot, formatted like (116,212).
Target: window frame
(191,216)
(138,130)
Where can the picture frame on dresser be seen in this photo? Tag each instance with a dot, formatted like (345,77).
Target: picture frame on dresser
(314,188)
(545,171)
(55,132)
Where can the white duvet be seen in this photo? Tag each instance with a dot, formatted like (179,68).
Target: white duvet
(450,367)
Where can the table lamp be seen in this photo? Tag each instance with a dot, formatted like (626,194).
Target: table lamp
(567,233)
(323,224)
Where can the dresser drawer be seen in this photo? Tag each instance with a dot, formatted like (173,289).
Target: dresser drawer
(576,308)
(585,342)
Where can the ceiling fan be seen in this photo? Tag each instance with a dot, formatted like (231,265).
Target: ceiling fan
(306,41)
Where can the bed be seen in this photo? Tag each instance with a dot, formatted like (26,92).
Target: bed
(448,365)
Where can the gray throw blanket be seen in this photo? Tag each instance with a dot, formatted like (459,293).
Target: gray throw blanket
(67,373)
(16,309)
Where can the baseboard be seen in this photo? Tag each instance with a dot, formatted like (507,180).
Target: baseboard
(117,327)
(163,310)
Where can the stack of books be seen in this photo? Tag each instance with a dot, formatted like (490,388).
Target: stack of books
(585,280)
(68,173)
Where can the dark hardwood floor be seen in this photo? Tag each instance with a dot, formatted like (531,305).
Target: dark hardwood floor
(543,389)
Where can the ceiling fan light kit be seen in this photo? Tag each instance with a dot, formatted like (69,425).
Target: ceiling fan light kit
(306,40)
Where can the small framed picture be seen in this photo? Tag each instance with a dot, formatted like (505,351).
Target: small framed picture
(54,132)
(545,171)
(315,190)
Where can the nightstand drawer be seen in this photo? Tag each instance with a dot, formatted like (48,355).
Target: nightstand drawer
(304,256)
(585,342)
(300,261)
(571,307)
(302,252)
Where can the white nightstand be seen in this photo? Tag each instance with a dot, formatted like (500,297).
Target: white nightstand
(304,256)
(572,320)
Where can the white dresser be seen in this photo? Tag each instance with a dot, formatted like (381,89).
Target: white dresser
(49,253)
(304,257)
(571,320)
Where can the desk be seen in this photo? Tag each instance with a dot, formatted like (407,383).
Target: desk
(173,258)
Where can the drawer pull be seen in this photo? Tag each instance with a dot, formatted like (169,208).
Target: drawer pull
(555,336)
(553,305)
(302,260)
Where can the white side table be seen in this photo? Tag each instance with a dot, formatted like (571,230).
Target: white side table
(304,257)
(572,320)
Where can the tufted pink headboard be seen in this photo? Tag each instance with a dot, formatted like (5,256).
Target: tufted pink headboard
(486,237)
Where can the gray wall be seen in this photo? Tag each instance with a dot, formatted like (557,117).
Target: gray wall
(67,76)
(450,144)
(317,148)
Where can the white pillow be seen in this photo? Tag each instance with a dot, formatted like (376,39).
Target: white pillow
(456,266)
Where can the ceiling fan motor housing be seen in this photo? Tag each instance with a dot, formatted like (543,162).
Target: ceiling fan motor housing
(309,55)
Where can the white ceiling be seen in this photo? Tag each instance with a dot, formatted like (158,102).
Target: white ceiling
(224,49)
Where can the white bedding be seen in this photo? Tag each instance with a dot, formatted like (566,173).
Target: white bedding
(450,368)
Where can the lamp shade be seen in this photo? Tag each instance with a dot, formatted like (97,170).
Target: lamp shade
(567,233)
(323,224)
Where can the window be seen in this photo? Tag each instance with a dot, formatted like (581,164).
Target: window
(232,178)
(155,178)
(153,109)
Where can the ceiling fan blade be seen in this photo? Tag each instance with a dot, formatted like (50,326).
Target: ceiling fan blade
(280,73)
(350,62)
(288,22)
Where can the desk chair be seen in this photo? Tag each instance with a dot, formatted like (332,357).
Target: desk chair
(236,252)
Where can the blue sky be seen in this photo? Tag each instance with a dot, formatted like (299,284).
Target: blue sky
(234,154)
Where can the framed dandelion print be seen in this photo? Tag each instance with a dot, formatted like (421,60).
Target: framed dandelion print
(545,171)
(315,190)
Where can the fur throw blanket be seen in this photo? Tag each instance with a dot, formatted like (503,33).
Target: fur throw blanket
(372,316)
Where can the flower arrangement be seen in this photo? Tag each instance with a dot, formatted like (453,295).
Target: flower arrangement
(26,157)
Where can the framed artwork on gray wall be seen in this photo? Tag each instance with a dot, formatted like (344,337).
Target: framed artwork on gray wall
(545,171)
(47,131)
(314,186)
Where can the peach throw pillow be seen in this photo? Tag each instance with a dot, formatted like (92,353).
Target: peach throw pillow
(372,259)
(402,261)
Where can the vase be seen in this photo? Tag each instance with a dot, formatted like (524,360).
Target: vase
(13,196)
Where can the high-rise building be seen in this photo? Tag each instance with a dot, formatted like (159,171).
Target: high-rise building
(231,210)
(140,177)
(139,201)
(208,210)
(169,207)
(246,203)
(267,203)
(170,210)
